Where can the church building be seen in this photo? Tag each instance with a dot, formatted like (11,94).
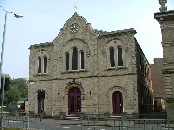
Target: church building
(90,71)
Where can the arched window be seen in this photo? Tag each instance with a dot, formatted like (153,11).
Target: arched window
(82,60)
(112,57)
(75,59)
(45,64)
(120,56)
(67,61)
(39,65)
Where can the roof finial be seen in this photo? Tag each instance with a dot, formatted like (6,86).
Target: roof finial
(75,6)
(163,6)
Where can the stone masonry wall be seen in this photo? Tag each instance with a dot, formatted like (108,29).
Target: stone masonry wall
(96,82)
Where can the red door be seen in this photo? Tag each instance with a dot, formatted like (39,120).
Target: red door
(74,101)
(117,103)
(40,106)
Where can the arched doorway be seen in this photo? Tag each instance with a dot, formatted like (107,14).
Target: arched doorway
(40,97)
(74,100)
(117,103)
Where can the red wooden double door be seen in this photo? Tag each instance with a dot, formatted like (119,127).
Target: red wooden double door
(117,103)
(74,101)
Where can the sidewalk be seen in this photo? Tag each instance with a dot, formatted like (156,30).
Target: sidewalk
(55,121)
(78,122)
(92,122)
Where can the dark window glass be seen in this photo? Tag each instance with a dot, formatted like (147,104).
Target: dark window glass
(72,103)
(67,61)
(75,59)
(120,57)
(45,64)
(82,60)
(112,61)
(39,65)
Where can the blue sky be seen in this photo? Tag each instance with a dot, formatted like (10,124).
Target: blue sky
(44,18)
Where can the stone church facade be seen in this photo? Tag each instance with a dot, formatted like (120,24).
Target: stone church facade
(90,71)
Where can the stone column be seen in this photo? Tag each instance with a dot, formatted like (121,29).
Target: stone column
(166,21)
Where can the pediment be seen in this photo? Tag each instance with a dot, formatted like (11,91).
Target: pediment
(76,26)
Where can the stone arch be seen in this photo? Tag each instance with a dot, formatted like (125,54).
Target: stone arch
(124,96)
(42,53)
(82,46)
(72,84)
(69,86)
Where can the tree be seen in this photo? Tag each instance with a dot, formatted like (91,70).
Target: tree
(21,85)
(18,89)
(11,95)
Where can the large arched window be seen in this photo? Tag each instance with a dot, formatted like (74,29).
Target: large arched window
(39,65)
(82,60)
(67,61)
(45,64)
(120,56)
(75,59)
(112,57)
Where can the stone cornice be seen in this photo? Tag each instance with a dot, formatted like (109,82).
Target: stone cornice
(168,70)
(164,16)
(51,79)
(47,44)
(118,32)
(169,43)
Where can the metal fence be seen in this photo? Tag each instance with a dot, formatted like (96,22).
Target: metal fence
(95,122)
(127,121)
(14,120)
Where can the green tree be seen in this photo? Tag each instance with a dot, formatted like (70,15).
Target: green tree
(12,95)
(21,85)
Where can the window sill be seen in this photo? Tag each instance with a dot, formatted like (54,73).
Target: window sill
(117,68)
(40,75)
(73,71)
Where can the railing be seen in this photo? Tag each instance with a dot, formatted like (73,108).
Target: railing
(15,120)
(126,121)
(100,121)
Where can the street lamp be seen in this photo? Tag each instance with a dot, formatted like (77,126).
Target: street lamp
(1,63)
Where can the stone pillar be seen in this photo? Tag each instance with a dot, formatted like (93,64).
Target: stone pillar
(170,108)
(166,21)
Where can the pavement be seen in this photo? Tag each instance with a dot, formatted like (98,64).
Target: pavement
(74,122)
(51,121)
(55,121)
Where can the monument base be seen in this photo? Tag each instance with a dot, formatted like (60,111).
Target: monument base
(170,108)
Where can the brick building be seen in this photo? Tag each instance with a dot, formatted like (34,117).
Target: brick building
(158,84)
(90,71)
